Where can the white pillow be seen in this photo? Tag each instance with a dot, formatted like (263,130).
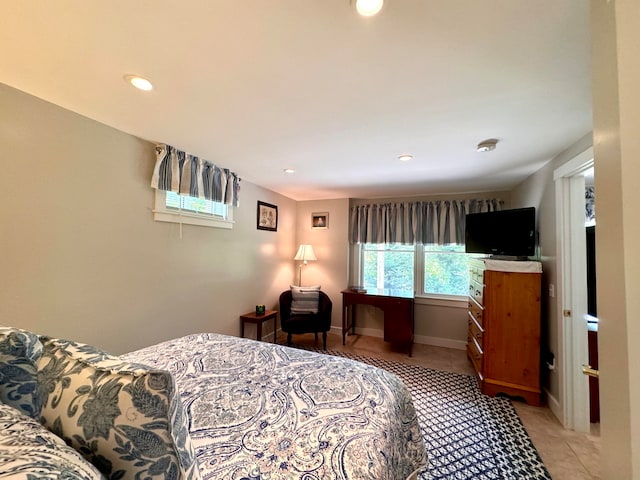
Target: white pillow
(310,287)
(304,299)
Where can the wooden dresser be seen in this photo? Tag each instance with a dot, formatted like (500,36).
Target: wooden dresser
(504,327)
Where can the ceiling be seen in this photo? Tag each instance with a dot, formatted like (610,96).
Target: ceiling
(258,86)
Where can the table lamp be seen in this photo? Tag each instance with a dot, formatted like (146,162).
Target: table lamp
(305,254)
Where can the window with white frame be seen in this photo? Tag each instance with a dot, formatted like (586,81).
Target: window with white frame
(388,266)
(427,270)
(446,270)
(171,207)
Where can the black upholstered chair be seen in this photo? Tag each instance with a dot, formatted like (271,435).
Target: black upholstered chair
(306,322)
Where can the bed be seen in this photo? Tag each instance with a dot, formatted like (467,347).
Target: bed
(260,411)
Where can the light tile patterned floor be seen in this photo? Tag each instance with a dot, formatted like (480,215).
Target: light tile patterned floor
(566,454)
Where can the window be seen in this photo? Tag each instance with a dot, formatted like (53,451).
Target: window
(446,270)
(197,205)
(425,269)
(388,266)
(171,207)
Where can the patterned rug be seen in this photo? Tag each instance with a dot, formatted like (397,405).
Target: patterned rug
(468,435)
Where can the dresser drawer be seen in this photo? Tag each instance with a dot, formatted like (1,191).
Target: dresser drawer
(475,331)
(475,355)
(476,291)
(477,312)
(476,274)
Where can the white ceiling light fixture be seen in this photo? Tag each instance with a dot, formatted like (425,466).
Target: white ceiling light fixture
(487,145)
(369,8)
(289,170)
(140,83)
(405,157)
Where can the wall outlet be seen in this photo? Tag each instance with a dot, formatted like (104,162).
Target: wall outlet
(552,290)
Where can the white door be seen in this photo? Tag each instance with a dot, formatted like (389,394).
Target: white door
(572,298)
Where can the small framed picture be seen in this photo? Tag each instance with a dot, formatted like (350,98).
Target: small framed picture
(320,220)
(267,217)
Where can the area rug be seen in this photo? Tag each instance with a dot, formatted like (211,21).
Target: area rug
(467,435)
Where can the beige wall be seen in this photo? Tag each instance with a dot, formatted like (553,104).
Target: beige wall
(330,246)
(616,108)
(82,258)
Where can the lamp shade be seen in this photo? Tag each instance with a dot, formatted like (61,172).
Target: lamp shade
(305,253)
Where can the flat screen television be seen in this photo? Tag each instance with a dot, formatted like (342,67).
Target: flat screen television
(508,233)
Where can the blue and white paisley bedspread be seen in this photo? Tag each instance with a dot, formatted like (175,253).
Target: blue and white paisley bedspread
(260,411)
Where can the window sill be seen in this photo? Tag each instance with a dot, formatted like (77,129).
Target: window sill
(189,219)
(451,301)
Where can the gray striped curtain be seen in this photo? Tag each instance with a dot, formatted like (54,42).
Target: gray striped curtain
(435,222)
(186,174)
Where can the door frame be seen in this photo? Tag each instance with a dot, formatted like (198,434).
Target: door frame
(572,298)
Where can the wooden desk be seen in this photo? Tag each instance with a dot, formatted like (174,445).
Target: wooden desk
(258,320)
(398,314)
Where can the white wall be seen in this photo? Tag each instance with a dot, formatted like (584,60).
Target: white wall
(82,258)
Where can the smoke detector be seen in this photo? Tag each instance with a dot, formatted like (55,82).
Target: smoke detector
(487,145)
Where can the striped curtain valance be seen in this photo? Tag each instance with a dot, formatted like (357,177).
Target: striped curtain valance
(186,174)
(434,222)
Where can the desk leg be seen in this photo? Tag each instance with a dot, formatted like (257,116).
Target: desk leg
(259,331)
(353,320)
(345,320)
(242,328)
(344,323)
(275,327)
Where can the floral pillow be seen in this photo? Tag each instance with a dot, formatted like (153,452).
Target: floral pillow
(28,450)
(19,354)
(127,419)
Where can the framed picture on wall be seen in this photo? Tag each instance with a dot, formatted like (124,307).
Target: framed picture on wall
(267,217)
(320,220)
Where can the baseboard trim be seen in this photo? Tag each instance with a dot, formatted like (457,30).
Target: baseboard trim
(440,342)
(421,339)
(369,332)
(554,405)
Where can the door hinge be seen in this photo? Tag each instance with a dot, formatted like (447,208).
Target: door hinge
(566,313)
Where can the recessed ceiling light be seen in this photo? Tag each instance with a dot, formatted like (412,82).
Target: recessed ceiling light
(289,170)
(139,82)
(405,157)
(368,8)
(487,145)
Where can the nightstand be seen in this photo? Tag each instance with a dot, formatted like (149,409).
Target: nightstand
(258,320)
